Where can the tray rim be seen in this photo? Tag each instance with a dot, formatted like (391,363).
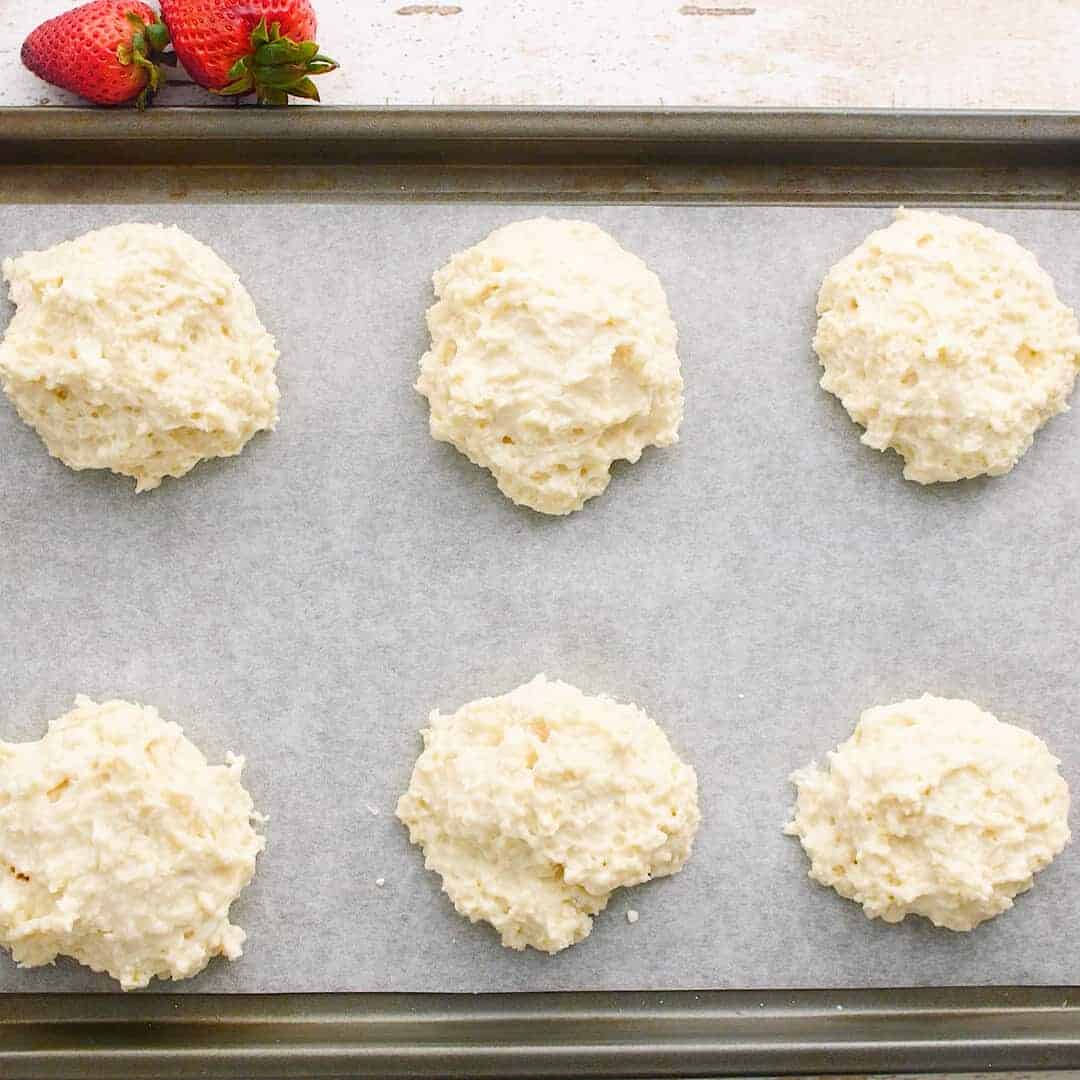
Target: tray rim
(579,1034)
(523,154)
(658,1033)
(701,133)
(672,121)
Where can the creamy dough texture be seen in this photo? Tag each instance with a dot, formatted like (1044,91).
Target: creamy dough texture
(136,349)
(935,808)
(946,340)
(534,806)
(552,356)
(121,847)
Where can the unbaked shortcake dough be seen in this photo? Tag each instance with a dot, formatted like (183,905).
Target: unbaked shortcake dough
(534,806)
(135,348)
(935,808)
(946,340)
(552,356)
(121,847)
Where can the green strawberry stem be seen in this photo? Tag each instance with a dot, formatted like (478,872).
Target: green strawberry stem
(277,67)
(147,41)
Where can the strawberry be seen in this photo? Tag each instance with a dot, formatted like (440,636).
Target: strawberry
(244,46)
(102,51)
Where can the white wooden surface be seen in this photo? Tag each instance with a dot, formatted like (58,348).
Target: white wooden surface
(886,53)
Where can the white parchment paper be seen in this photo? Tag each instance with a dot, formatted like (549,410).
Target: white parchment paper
(754,588)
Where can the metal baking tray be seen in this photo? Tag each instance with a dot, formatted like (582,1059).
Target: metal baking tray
(607,156)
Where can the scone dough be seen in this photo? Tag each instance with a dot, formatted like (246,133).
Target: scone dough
(135,348)
(935,808)
(946,340)
(121,847)
(552,355)
(534,806)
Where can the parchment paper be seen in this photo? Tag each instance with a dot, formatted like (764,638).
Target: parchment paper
(754,588)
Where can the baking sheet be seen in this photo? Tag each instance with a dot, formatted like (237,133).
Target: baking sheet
(307,603)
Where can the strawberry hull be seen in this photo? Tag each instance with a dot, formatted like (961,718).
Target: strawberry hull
(211,36)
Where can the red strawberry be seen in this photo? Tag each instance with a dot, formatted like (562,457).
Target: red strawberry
(101,51)
(240,46)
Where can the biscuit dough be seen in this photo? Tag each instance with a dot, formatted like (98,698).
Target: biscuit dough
(135,348)
(935,808)
(534,806)
(121,847)
(946,340)
(552,356)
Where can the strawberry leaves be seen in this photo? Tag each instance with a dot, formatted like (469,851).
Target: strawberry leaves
(146,42)
(277,67)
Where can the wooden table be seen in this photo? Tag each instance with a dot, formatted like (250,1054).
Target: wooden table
(840,53)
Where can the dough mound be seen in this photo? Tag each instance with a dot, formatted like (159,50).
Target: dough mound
(534,806)
(136,349)
(552,355)
(121,847)
(947,342)
(935,808)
